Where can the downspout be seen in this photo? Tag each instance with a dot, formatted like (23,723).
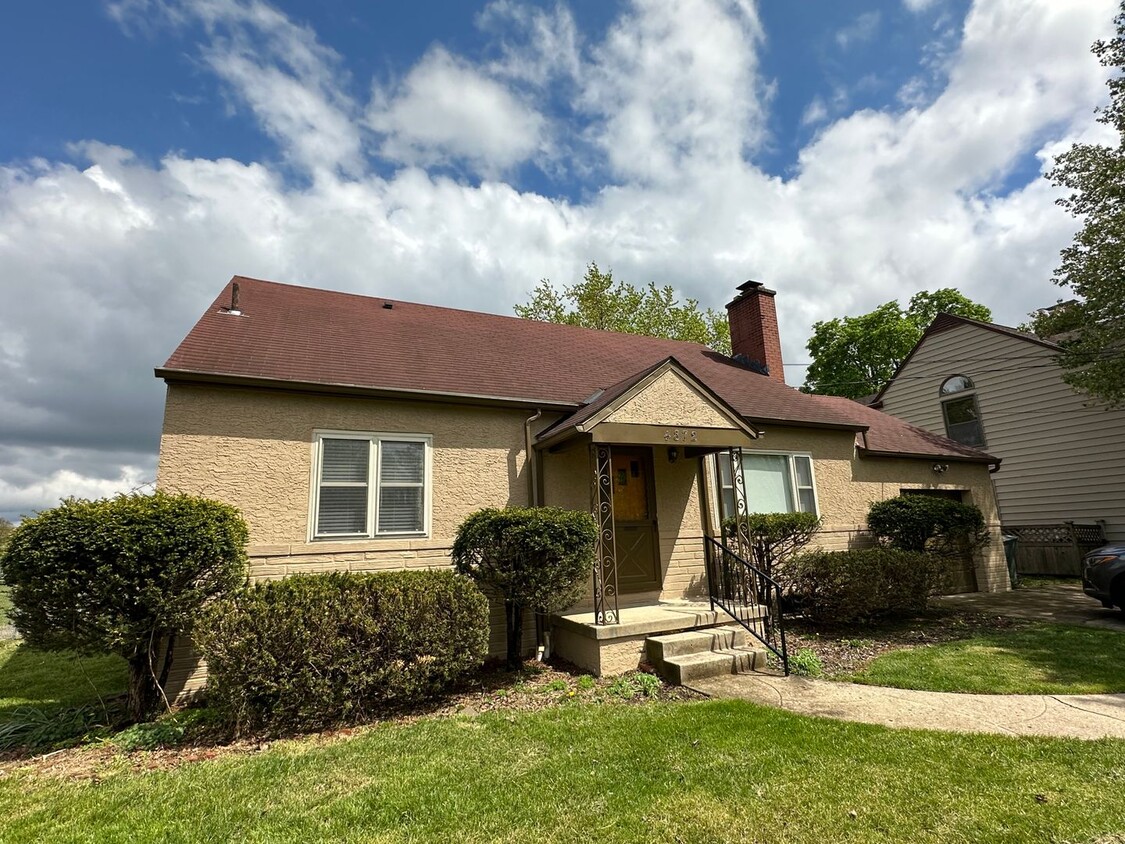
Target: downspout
(532,469)
(542,635)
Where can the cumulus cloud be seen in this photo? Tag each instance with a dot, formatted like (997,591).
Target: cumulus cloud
(113,257)
(447,110)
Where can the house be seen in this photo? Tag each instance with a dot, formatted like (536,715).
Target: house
(357,432)
(999,389)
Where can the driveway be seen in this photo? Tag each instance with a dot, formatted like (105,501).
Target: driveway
(1058,603)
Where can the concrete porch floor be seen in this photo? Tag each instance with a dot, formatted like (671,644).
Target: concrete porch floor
(609,649)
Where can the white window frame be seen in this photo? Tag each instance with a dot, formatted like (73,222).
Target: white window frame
(794,487)
(373,438)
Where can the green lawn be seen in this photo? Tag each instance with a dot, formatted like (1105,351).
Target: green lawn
(694,772)
(55,698)
(1043,659)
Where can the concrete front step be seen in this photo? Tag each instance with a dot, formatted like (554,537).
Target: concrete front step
(690,667)
(696,654)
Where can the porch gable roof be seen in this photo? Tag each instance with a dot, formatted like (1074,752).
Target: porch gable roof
(613,403)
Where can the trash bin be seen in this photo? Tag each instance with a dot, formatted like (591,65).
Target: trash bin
(1010,543)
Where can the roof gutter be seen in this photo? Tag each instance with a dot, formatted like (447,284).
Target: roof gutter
(180,376)
(993,462)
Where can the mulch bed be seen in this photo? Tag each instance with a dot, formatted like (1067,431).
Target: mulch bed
(845,649)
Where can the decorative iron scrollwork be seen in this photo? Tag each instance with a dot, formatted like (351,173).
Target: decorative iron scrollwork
(605,566)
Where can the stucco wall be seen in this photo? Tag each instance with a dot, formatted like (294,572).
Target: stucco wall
(253,449)
(847,485)
(669,400)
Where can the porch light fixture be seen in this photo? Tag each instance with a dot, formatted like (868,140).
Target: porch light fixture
(940,468)
(673,454)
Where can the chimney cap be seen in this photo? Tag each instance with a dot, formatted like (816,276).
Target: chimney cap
(751,286)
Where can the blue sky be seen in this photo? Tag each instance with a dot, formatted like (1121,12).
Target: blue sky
(456,153)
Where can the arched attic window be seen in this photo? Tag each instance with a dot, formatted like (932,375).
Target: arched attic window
(956,384)
(961,412)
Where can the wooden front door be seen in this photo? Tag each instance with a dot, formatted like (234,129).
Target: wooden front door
(634,520)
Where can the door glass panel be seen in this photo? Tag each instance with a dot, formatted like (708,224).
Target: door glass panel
(630,488)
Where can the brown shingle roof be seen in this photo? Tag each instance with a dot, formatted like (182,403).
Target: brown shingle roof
(300,335)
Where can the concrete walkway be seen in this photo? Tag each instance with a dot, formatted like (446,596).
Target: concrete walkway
(1057,603)
(1067,716)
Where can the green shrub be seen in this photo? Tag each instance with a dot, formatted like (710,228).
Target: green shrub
(125,575)
(927,523)
(312,651)
(843,586)
(806,663)
(772,537)
(537,558)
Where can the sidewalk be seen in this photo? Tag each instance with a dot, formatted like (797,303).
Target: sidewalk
(1065,716)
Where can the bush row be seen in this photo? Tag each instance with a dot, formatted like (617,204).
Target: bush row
(313,651)
(844,586)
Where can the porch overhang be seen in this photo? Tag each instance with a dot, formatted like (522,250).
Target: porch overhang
(663,405)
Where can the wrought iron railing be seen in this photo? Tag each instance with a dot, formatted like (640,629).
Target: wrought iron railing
(748,595)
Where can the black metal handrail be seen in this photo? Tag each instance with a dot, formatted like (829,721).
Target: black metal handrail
(748,595)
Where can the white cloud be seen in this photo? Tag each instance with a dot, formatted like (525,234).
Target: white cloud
(919,5)
(860,31)
(815,112)
(106,264)
(676,85)
(447,110)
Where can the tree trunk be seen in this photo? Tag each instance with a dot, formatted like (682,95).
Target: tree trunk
(142,687)
(513,615)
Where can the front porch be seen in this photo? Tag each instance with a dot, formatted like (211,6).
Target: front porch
(654,494)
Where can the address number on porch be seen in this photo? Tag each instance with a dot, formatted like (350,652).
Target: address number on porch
(680,435)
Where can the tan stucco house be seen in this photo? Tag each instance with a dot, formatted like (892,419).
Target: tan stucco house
(1000,389)
(356,433)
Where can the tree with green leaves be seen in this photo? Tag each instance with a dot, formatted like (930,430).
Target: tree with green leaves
(1051,322)
(598,301)
(1093,266)
(6,529)
(856,356)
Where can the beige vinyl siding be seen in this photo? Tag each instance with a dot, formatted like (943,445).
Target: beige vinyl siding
(1063,454)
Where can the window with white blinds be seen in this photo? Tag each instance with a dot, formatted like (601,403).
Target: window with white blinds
(774,483)
(371,485)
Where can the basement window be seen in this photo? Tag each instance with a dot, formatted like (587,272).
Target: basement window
(370,485)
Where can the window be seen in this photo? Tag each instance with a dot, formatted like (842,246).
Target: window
(956,384)
(775,483)
(962,421)
(370,485)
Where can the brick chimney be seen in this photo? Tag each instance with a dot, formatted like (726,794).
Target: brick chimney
(753,329)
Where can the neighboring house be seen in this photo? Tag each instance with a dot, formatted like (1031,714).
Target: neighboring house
(358,432)
(1001,390)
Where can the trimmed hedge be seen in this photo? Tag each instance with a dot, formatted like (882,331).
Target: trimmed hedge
(843,586)
(773,537)
(927,523)
(538,558)
(314,651)
(123,575)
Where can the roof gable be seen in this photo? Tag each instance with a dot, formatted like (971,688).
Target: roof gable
(947,322)
(664,395)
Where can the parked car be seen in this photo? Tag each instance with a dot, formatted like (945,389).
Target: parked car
(1103,575)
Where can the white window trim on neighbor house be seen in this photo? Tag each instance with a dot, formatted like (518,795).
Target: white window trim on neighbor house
(372,484)
(957,389)
(794,486)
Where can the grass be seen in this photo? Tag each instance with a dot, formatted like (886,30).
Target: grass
(1041,659)
(55,699)
(699,772)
